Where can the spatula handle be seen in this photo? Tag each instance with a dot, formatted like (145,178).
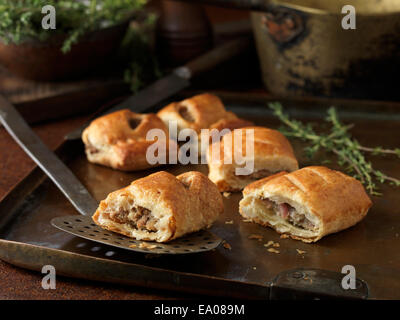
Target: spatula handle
(53,167)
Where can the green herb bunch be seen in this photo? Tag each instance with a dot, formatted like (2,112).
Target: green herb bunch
(22,19)
(339,141)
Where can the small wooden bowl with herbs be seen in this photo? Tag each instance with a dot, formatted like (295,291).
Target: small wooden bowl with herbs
(87,35)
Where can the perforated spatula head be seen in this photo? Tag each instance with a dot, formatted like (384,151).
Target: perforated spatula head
(84,227)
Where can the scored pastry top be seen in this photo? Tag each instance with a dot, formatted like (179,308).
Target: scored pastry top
(123,125)
(200,112)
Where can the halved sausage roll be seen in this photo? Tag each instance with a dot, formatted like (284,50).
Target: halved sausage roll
(271,153)
(161,207)
(306,204)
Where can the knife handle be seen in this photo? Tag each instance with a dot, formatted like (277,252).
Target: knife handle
(219,54)
(173,83)
(54,168)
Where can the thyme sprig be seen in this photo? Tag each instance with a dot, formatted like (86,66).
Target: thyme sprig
(339,141)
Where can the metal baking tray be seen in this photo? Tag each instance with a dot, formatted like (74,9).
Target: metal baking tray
(246,269)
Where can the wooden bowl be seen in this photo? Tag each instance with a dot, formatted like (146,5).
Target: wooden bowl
(44,60)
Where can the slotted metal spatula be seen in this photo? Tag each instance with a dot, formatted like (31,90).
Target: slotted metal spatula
(83,226)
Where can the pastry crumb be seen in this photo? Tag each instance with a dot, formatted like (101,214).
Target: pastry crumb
(284,236)
(269,243)
(272,244)
(256,237)
(133,246)
(226,194)
(254,268)
(145,245)
(300,251)
(273,250)
(229,222)
(226,245)
(246,220)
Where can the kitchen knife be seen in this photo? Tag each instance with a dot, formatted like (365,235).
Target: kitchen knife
(175,82)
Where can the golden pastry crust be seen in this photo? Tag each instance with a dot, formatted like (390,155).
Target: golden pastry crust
(198,112)
(161,207)
(231,123)
(272,153)
(328,200)
(204,111)
(118,140)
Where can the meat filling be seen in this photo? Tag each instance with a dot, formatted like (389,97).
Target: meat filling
(288,213)
(255,175)
(142,218)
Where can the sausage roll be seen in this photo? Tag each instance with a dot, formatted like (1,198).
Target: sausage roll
(306,204)
(161,207)
(272,153)
(118,140)
(204,111)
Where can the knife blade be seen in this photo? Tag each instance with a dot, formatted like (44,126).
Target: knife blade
(174,82)
(54,168)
